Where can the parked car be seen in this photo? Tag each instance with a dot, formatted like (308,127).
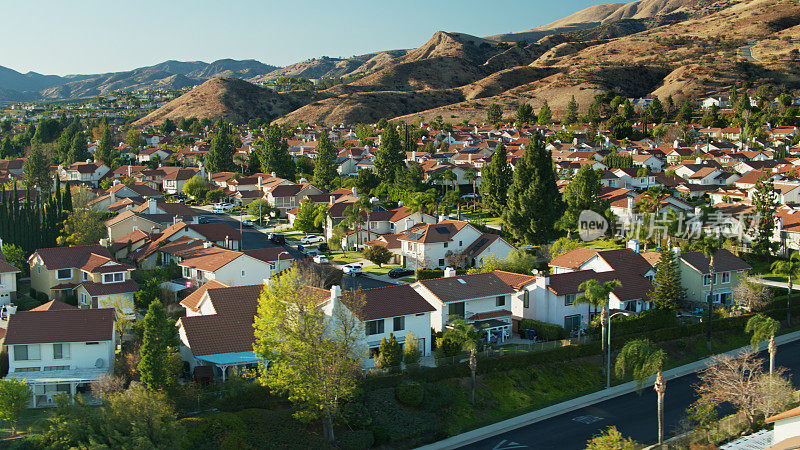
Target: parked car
(277,238)
(321,259)
(323,247)
(352,269)
(217,211)
(310,239)
(247,223)
(399,272)
(223,206)
(202,219)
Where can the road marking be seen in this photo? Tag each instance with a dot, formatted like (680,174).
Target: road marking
(588,419)
(504,445)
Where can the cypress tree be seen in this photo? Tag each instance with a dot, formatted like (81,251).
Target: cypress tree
(158,342)
(667,292)
(496,176)
(534,204)
(220,156)
(324,166)
(390,155)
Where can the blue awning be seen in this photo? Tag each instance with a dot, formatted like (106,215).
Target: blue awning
(231,358)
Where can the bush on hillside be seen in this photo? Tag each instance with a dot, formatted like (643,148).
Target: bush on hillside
(356,440)
(652,319)
(544,330)
(410,393)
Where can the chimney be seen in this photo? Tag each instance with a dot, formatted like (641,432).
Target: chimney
(676,144)
(151,206)
(227,242)
(355,192)
(175,219)
(633,244)
(449,272)
(331,200)
(336,292)
(631,203)
(258,184)
(677,251)
(442,218)
(273,175)
(207,244)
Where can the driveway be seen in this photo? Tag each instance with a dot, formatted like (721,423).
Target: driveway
(747,51)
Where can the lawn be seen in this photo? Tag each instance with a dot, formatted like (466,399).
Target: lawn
(345,258)
(375,270)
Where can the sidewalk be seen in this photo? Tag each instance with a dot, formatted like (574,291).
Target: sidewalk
(494,429)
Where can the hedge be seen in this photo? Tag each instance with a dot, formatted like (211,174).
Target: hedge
(429,274)
(652,319)
(544,330)
(410,393)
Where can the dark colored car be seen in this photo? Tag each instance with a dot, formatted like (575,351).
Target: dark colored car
(399,272)
(277,238)
(202,219)
(323,247)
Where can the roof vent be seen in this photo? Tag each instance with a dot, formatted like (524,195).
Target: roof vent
(207,244)
(461,281)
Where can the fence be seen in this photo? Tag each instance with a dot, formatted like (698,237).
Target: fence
(516,346)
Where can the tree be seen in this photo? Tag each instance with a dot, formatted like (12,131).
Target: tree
(545,114)
(765,203)
(196,187)
(411,351)
(378,255)
(220,155)
(596,295)
(764,328)
(494,114)
(306,215)
(390,155)
(524,113)
(84,225)
(642,359)
(790,269)
(655,110)
(582,193)
(103,152)
(390,354)
(366,181)
(534,203)
(17,257)
(134,138)
(15,395)
(159,341)
(167,126)
(274,155)
(78,150)
(685,113)
(751,294)
(571,115)
(667,291)
(37,170)
(611,439)
(496,177)
(709,247)
(324,165)
(259,208)
(315,358)
(459,336)
(741,382)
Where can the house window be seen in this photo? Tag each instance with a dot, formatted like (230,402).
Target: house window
(500,301)
(445,245)
(726,277)
(26,369)
(569,299)
(60,351)
(26,352)
(725,298)
(92,343)
(526,299)
(374,327)
(456,309)
(243,274)
(85,276)
(572,323)
(706,280)
(113,278)
(399,323)
(84,299)
(460,243)
(441,262)
(64,274)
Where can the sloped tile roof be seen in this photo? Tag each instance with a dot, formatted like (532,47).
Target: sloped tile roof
(466,287)
(389,301)
(723,261)
(61,325)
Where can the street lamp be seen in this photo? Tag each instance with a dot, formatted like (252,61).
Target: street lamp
(278,264)
(608,362)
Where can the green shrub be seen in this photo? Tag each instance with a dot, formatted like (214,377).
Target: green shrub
(410,393)
(429,274)
(438,396)
(356,415)
(544,330)
(356,440)
(380,435)
(387,413)
(652,319)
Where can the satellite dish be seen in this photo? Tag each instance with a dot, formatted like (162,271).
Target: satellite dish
(99,363)
(535,271)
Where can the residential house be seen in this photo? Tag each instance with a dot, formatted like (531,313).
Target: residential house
(233,268)
(729,270)
(449,242)
(8,280)
(86,173)
(60,349)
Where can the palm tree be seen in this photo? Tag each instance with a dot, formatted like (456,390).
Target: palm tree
(596,294)
(353,218)
(239,160)
(471,176)
(709,247)
(763,328)
(643,359)
(450,176)
(790,269)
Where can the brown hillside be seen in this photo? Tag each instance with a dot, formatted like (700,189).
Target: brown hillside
(230,99)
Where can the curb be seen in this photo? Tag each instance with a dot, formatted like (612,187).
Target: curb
(532,417)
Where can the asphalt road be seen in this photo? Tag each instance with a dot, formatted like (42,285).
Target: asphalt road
(634,415)
(747,52)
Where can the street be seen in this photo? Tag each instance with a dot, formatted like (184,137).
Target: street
(634,415)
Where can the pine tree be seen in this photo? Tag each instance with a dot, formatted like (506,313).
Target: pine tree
(765,203)
(534,204)
(656,110)
(158,343)
(324,164)
(667,292)
(37,170)
(494,114)
(78,150)
(220,155)
(274,155)
(545,114)
(104,148)
(582,194)
(390,155)
(495,178)
(571,116)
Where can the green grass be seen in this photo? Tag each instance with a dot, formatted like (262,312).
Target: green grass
(342,258)
(31,421)
(409,279)
(375,270)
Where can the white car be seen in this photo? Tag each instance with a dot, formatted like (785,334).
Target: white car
(217,211)
(352,269)
(321,259)
(310,239)
(223,206)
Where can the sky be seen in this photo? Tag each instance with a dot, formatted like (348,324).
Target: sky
(97,36)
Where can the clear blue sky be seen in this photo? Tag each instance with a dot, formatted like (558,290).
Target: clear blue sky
(94,36)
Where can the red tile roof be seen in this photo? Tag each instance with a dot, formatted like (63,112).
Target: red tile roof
(70,257)
(61,325)
(466,287)
(53,305)
(389,301)
(192,301)
(124,287)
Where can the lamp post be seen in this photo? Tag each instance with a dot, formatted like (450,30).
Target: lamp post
(608,359)
(473,366)
(278,264)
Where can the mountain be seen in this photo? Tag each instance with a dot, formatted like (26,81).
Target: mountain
(229,99)
(15,86)
(326,67)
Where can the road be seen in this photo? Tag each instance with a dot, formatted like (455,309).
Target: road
(634,415)
(747,51)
